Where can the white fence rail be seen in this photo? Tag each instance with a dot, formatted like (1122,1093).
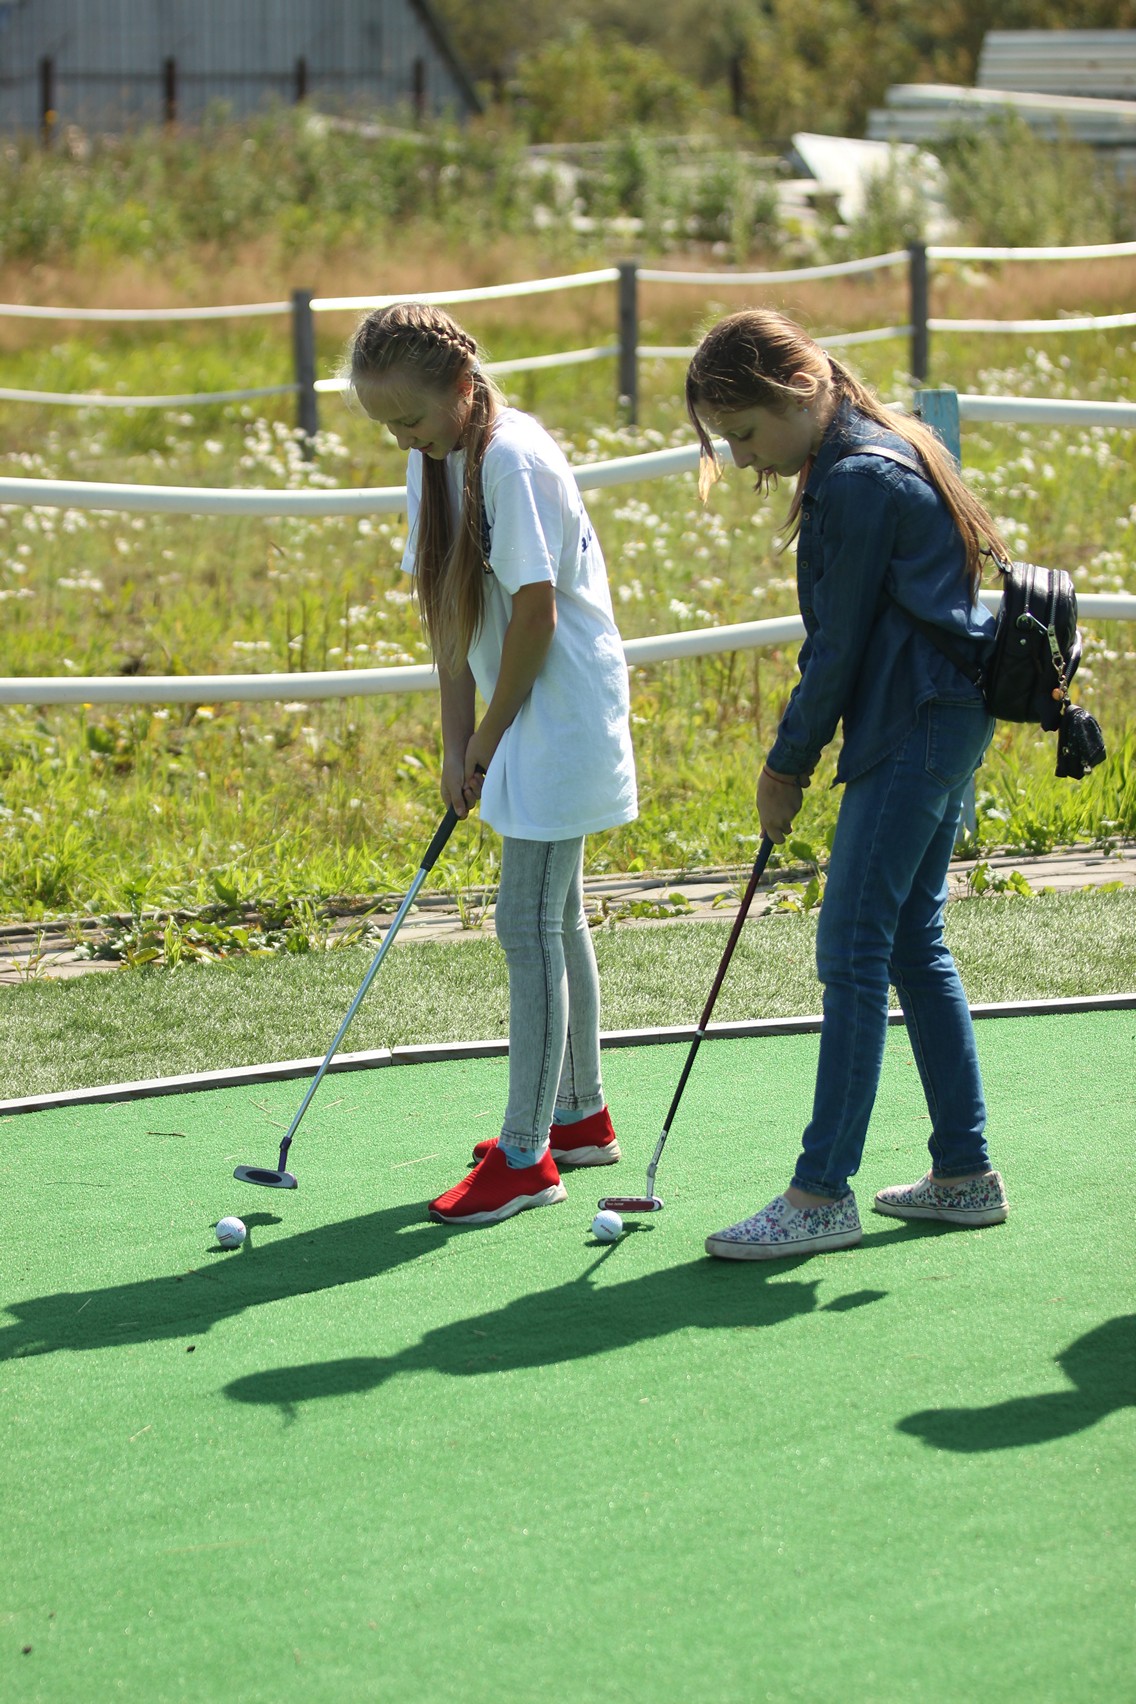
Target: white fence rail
(628,276)
(422,677)
(391,499)
(371,500)
(308,687)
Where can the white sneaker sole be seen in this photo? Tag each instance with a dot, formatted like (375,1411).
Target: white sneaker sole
(725,1249)
(605,1156)
(543,1198)
(950,1215)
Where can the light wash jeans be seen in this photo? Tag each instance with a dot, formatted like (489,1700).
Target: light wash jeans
(554,988)
(881,921)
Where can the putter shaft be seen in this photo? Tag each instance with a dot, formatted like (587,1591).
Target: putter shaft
(650,1202)
(248,1174)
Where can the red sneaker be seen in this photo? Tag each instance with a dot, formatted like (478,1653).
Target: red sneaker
(591,1142)
(495,1190)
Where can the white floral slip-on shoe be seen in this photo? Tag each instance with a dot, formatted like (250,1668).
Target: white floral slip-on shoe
(978,1201)
(780,1230)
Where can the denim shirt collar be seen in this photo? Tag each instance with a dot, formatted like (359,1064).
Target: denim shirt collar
(846,427)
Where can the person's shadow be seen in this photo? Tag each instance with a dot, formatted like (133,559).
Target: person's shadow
(190,1303)
(565,1323)
(1101,1366)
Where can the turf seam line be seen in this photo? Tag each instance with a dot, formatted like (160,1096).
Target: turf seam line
(429,1053)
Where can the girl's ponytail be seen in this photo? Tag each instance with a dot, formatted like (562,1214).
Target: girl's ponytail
(436,353)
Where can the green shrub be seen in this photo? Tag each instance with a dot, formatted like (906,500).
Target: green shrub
(1008,186)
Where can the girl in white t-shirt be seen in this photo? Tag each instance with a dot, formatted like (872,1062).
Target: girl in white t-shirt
(514,598)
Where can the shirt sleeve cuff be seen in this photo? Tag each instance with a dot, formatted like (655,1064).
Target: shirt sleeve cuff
(786,759)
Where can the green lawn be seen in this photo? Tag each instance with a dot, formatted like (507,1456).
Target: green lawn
(131,1025)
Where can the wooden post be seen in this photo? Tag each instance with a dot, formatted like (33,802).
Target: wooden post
(304,361)
(737,84)
(301,80)
(170,90)
(628,399)
(48,112)
(939,409)
(920,338)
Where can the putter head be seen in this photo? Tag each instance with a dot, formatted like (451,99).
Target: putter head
(632,1203)
(266,1177)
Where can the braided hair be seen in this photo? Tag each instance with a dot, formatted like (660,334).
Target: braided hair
(762,359)
(434,353)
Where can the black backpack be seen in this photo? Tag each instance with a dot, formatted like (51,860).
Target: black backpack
(1036,650)
(1036,645)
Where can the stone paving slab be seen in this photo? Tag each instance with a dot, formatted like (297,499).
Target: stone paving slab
(48,952)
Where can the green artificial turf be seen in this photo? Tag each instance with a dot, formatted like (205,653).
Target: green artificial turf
(132,1025)
(367,1457)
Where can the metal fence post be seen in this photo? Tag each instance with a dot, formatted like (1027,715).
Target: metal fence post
(939,409)
(920,337)
(304,360)
(629,340)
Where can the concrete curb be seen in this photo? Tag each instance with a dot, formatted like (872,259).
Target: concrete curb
(244,1076)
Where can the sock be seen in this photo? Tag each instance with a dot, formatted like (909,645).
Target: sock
(572,1115)
(519,1159)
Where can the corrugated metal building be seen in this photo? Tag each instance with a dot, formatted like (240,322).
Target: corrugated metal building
(1096,64)
(1044,77)
(109,65)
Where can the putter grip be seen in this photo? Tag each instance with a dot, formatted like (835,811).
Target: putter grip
(445,828)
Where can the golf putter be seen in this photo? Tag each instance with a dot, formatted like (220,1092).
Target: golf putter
(280,1178)
(649,1202)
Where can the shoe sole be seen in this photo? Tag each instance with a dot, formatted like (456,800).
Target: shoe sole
(782,1251)
(567,1158)
(543,1198)
(949,1215)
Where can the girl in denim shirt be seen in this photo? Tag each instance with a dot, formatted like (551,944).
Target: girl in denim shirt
(888,537)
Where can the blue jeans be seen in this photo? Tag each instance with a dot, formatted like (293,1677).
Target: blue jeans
(554,988)
(882,921)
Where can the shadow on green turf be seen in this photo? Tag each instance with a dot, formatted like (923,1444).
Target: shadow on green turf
(568,1322)
(178,1305)
(1101,1366)
(355,1250)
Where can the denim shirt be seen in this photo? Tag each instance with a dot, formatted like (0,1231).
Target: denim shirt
(875,540)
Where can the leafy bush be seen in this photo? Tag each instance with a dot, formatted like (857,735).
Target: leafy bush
(579,89)
(1006,185)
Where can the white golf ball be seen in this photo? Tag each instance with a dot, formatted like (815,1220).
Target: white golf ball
(607,1225)
(231,1233)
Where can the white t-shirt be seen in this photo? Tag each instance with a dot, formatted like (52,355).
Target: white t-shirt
(565,766)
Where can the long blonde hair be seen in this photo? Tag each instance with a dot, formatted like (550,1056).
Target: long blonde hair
(762,359)
(436,354)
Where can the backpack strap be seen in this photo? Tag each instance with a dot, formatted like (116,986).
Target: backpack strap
(973,671)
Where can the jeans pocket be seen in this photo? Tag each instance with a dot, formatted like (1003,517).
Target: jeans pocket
(957,735)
